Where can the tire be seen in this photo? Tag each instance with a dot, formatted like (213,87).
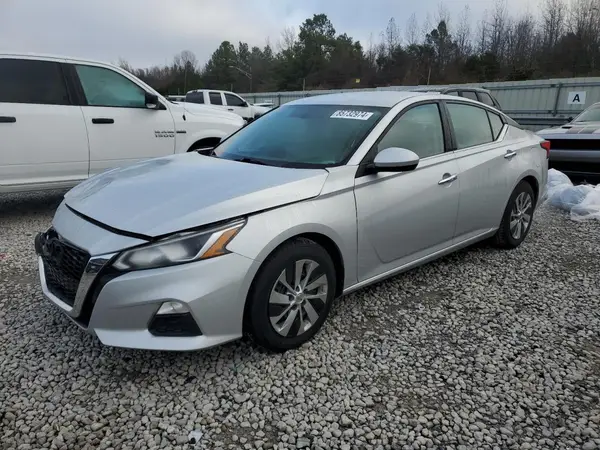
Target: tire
(269,299)
(522,199)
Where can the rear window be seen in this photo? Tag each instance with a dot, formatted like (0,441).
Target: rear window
(470,94)
(31,81)
(485,98)
(215,98)
(194,97)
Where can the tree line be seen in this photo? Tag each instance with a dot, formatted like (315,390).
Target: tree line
(562,40)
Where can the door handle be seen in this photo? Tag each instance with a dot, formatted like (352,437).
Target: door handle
(510,154)
(448,178)
(103,120)
(7,119)
(229,109)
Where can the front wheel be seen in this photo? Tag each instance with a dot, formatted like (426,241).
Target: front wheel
(291,296)
(517,217)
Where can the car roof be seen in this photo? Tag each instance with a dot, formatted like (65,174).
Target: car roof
(451,88)
(386,99)
(49,56)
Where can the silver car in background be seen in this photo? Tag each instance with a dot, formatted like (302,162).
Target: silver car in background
(316,199)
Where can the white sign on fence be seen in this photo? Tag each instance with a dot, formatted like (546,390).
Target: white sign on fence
(576,98)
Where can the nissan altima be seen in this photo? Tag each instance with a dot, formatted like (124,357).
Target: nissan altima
(316,199)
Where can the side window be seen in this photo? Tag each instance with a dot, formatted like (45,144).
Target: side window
(485,98)
(105,87)
(469,94)
(471,125)
(455,93)
(419,129)
(194,97)
(234,100)
(31,81)
(215,98)
(496,123)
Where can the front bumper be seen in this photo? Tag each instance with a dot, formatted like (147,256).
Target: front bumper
(119,308)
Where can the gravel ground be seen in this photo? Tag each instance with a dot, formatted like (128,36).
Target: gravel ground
(484,349)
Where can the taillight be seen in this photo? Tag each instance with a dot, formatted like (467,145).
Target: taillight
(546,146)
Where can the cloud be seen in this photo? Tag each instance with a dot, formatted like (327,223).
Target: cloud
(147,32)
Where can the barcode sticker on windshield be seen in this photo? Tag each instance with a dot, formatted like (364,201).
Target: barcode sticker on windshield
(356,115)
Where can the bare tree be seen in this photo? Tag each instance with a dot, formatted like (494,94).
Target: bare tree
(426,27)
(123,64)
(392,36)
(411,31)
(463,33)
(553,19)
(186,59)
(443,15)
(521,42)
(287,39)
(498,29)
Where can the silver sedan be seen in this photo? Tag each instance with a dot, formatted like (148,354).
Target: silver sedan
(316,199)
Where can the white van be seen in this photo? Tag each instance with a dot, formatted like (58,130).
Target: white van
(63,120)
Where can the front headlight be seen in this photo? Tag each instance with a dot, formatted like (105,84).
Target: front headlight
(180,248)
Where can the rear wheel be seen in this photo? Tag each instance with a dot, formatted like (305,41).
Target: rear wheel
(517,217)
(291,296)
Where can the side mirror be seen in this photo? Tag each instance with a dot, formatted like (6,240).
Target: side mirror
(395,159)
(570,119)
(152,101)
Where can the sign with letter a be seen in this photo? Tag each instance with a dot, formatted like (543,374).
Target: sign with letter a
(576,98)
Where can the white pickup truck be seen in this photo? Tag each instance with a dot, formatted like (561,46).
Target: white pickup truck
(63,120)
(227,101)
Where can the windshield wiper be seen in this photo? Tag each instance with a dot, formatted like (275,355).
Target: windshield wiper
(250,160)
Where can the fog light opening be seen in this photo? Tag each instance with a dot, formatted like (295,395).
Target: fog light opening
(172,308)
(173,319)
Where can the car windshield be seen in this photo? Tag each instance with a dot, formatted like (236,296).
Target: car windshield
(302,135)
(592,114)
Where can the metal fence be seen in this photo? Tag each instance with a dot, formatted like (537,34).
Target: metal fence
(535,104)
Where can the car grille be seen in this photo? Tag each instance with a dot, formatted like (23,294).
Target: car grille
(575,144)
(64,265)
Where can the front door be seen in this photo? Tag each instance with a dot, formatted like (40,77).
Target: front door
(238,106)
(121,129)
(403,217)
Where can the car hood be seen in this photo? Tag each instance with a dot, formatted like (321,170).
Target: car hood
(165,195)
(566,131)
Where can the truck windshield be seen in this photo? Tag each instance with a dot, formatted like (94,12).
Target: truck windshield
(302,135)
(592,114)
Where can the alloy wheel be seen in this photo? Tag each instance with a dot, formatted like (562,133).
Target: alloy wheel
(298,298)
(520,216)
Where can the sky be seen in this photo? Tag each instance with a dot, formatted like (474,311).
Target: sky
(151,32)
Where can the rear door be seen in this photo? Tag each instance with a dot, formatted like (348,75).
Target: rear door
(121,129)
(237,105)
(43,137)
(486,163)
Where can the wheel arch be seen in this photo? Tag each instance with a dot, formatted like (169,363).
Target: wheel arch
(323,239)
